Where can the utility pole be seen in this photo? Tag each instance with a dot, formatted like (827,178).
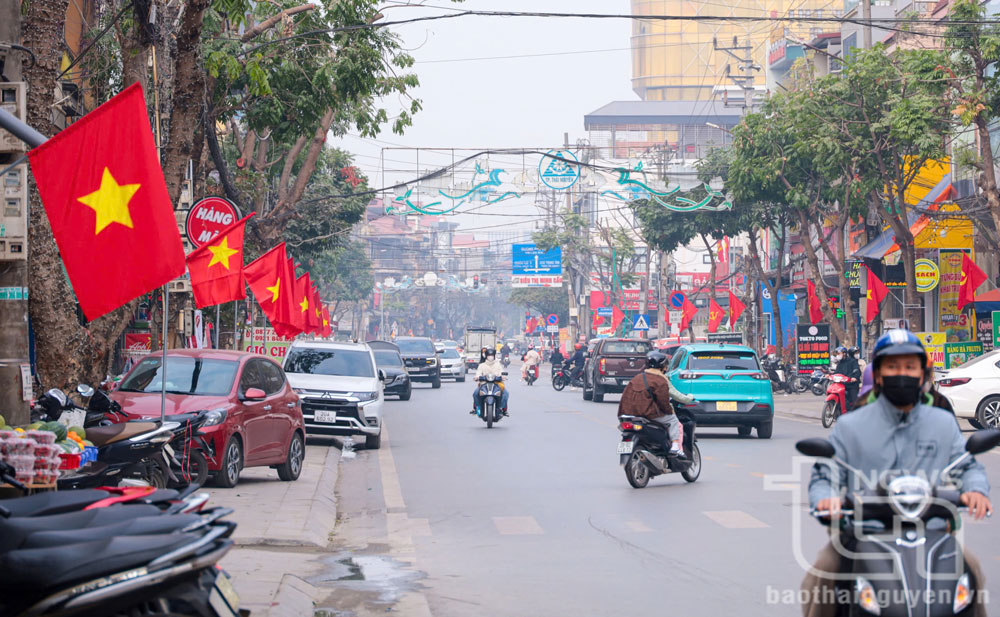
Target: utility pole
(743,54)
(15,366)
(866,17)
(569,278)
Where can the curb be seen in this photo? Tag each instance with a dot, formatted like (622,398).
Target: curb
(294,598)
(317,527)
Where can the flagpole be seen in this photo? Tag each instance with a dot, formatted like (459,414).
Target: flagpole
(163,363)
(218,316)
(236,326)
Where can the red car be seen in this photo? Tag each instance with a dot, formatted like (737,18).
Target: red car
(254,417)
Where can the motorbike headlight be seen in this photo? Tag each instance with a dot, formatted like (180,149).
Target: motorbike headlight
(867,599)
(214,416)
(963,594)
(909,496)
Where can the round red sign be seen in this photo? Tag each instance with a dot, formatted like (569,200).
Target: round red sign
(208,217)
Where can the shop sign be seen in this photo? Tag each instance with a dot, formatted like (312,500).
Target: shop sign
(207,218)
(927,274)
(813,346)
(934,343)
(957,354)
(265,341)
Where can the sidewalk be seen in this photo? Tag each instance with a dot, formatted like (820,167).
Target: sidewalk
(281,527)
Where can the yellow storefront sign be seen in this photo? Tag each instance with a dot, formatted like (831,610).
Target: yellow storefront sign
(934,344)
(928,275)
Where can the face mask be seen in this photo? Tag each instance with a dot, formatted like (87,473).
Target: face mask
(901,390)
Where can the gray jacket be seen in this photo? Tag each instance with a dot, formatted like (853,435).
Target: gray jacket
(879,437)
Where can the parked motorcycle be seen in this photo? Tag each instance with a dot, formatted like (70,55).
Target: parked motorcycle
(490,395)
(120,560)
(836,398)
(562,376)
(641,451)
(783,377)
(818,381)
(908,566)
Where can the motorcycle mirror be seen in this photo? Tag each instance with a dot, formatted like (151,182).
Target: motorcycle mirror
(983,440)
(816,446)
(504,373)
(85,390)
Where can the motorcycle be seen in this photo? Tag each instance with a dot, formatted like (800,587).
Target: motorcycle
(836,398)
(783,377)
(531,375)
(641,451)
(123,560)
(562,376)
(818,381)
(505,360)
(905,567)
(490,395)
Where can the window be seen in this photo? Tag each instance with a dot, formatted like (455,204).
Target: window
(676,360)
(450,353)
(342,362)
(387,357)
(633,347)
(184,376)
(273,377)
(416,345)
(722,361)
(12,207)
(251,378)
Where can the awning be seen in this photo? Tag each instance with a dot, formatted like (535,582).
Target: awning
(987,302)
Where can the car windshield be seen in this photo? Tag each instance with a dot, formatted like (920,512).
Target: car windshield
(451,354)
(635,347)
(416,345)
(340,362)
(387,357)
(184,376)
(723,361)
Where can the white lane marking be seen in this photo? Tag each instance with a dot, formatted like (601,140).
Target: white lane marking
(638,526)
(392,493)
(735,519)
(517,525)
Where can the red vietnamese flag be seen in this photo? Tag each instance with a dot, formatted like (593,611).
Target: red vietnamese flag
(688,311)
(315,318)
(270,285)
(297,321)
(327,328)
(877,291)
(106,200)
(617,316)
(217,267)
(304,300)
(715,315)
(815,307)
(972,278)
(736,309)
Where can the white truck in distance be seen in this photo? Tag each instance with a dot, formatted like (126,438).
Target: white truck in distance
(477,337)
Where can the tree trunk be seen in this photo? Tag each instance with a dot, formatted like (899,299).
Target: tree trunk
(904,239)
(988,180)
(813,260)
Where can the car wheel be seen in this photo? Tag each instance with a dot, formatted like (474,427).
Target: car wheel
(373,442)
(437,382)
(406,395)
(744,431)
(588,395)
(764,429)
(598,394)
(988,414)
(292,467)
(232,464)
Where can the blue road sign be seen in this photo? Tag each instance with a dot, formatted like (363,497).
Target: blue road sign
(552,320)
(529,260)
(605,311)
(640,322)
(677,299)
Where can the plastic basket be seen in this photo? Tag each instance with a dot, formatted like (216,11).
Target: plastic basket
(70,461)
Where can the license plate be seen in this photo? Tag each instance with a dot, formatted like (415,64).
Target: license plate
(625,447)
(223,597)
(725,406)
(328,417)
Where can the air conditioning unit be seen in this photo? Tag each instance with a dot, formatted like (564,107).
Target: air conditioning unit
(14,216)
(12,100)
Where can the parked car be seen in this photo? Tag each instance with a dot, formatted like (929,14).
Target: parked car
(254,416)
(611,364)
(421,359)
(340,387)
(973,389)
(728,384)
(390,362)
(452,364)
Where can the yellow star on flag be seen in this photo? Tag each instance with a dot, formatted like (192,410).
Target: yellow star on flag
(221,253)
(110,202)
(304,304)
(274,290)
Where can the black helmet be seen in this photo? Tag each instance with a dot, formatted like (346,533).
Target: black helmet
(490,352)
(656,359)
(898,342)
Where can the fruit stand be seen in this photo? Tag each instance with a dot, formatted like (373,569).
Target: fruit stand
(40,452)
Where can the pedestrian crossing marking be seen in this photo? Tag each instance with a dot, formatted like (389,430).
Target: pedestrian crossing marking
(517,525)
(735,519)
(638,526)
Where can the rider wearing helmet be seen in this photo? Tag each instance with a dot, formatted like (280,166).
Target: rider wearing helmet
(576,361)
(648,395)
(900,430)
(531,360)
(490,366)
(847,365)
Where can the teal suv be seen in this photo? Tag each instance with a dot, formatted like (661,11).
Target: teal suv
(728,385)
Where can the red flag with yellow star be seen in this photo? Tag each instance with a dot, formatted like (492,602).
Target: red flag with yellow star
(107,202)
(306,303)
(327,327)
(273,287)
(216,268)
(316,312)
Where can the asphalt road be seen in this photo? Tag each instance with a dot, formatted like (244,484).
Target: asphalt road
(535,516)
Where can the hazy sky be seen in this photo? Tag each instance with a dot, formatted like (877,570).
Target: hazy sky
(511,102)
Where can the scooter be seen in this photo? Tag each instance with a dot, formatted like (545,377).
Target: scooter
(562,376)
(836,398)
(642,455)
(490,395)
(818,381)
(505,360)
(531,375)
(902,567)
(782,378)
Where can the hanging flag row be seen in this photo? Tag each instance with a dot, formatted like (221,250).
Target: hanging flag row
(113,222)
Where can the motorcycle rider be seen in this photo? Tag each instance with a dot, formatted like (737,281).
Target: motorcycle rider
(490,366)
(648,395)
(847,365)
(531,360)
(556,358)
(576,361)
(505,352)
(900,430)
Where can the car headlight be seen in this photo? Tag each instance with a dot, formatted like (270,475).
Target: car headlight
(214,416)
(299,390)
(366,396)
(866,596)
(963,594)
(432,362)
